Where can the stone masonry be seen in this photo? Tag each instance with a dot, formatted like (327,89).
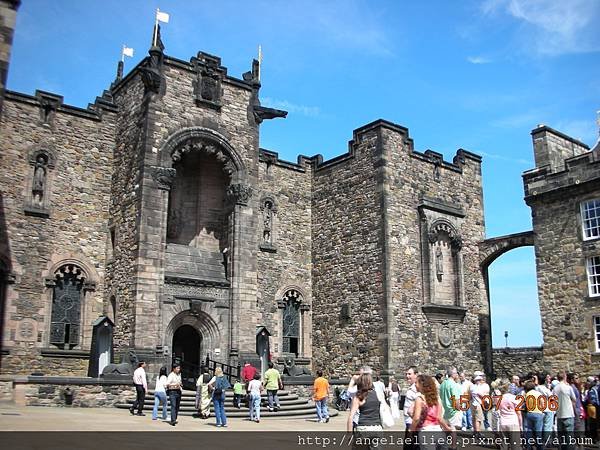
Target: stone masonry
(156,207)
(566,175)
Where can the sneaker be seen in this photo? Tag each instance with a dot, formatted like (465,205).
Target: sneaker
(140,414)
(277,408)
(172,423)
(257,420)
(326,419)
(270,409)
(131,411)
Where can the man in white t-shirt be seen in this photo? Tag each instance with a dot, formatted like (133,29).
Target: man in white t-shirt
(465,384)
(141,387)
(409,402)
(565,414)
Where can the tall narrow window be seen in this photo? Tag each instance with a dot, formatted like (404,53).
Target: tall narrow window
(597,332)
(291,323)
(593,273)
(113,309)
(590,219)
(66,307)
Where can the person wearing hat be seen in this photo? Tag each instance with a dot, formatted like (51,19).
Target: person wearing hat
(478,389)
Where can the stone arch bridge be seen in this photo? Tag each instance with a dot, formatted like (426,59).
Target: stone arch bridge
(493,248)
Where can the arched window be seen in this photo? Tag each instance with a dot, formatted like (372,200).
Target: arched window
(291,322)
(113,309)
(67,295)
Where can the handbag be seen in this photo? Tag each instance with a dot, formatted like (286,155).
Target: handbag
(591,411)
(385,412)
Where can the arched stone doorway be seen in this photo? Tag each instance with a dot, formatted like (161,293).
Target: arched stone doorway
(187,344)
(192,334)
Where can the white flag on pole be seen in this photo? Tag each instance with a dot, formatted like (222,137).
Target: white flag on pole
(127,51)
(162,16)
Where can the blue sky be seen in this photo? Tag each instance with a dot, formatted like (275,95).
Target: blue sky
(478,75)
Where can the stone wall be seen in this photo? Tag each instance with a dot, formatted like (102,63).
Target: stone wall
(285,264)
(67,226)
(348,261)
(426,196)
(50,391)
(517,361)
(6,392)
(124,210)
(566,308)
(375,213)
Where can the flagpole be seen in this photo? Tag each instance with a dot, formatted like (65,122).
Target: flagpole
(259,61)
(155,27)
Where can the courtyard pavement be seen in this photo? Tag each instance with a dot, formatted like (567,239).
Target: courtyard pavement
(39,418)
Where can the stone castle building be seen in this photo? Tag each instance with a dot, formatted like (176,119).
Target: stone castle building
(157,208)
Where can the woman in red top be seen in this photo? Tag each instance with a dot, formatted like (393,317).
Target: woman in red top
(427,416)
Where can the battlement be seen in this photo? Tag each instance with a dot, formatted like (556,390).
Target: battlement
(429,156)
(50,103)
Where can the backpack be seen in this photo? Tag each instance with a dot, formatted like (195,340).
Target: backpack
(221,385)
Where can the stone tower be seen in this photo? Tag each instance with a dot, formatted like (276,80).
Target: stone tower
(563,192)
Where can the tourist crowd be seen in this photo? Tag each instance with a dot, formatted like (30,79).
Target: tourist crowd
(533,405)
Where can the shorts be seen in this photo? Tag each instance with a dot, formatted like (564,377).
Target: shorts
(456,420)
(477,411)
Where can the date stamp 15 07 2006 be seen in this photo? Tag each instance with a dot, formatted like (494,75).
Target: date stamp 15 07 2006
(524,402)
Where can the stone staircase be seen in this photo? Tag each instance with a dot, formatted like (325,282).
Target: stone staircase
(291,406)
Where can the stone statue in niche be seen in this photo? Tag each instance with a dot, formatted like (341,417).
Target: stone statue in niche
(439,263)
(39,180)
(268,222)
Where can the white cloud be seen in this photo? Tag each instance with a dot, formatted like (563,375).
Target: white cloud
(553,27)
(478,60)
(308,111)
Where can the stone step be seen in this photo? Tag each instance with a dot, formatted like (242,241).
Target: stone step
(306,411)
(289,400)
(228,394)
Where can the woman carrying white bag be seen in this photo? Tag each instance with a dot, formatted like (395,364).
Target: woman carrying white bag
(367,402)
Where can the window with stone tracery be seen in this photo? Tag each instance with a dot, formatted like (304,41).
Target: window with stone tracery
(66,306)
(291,322)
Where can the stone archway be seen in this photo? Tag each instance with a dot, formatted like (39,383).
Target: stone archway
(202,323)
(491,249)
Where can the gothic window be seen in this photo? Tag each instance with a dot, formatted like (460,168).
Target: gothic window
(590,219)
(291,322)
(66,306)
